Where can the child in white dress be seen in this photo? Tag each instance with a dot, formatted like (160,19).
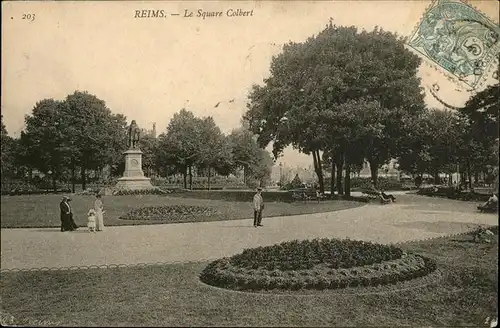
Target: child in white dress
(91,220)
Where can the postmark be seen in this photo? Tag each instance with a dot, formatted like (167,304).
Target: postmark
(463,42)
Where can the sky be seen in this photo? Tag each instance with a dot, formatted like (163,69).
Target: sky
(150,68)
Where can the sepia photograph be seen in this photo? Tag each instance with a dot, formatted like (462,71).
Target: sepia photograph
(250,163)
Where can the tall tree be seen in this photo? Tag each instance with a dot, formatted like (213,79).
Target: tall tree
(259,172)
(214,151)
(95,136)
(181,144)
(310,80)
(7,156)
(44,141)
(443,138)
(245,150)
(149,148)
(479,122)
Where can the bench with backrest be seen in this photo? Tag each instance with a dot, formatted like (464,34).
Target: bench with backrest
(491,207)
(372,194)
(375,195)
(307,194)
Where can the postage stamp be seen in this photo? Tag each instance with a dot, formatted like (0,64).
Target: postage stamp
(459,39)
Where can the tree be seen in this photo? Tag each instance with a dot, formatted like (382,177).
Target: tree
(259,172)
(44,142)
(414,156)
(299,102)
(181,145)
(443,137)
(214,151)
(479,123)
(7,156)
(149,148)
(94,136)
(245,150)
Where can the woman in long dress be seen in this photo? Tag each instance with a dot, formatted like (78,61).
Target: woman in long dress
(98,207)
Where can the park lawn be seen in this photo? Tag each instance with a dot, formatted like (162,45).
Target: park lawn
(39,211)
(171,295)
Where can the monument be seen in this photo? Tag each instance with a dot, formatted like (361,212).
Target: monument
(133,176)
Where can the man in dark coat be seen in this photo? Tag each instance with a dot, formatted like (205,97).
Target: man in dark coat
(67,222)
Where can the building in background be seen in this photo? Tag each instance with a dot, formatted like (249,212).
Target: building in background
(389,170)
(150,133)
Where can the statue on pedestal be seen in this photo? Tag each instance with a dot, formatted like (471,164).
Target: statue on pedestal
(134,134)
(133,176)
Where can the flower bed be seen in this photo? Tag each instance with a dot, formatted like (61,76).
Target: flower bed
(169,212)
(316,264)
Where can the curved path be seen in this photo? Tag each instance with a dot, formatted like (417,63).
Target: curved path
(411,218)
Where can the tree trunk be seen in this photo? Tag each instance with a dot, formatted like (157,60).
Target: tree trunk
(469,174)
(190,178)
(318,170)
(340,167)
(54,181)
(209,178)
(73,177)
(476,176)
(374,171)
(332,179)
(184,175)
(245,174)
(83,173)
(347,179)
(436,177)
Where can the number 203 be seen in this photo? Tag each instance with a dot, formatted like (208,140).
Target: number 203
(30,17)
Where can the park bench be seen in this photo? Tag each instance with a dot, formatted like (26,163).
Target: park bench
(371,194)
(375,195)
(490,208)
(307,194)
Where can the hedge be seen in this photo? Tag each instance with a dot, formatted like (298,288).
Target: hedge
(453,193)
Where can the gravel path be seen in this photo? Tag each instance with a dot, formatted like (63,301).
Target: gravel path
(411,218)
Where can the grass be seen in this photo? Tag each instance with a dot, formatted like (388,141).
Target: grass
(172,295)
(40,211)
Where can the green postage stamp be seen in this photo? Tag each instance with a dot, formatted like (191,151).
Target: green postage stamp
(459,39)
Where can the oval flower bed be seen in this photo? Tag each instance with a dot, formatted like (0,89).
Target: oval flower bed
(169,212)
(316,264)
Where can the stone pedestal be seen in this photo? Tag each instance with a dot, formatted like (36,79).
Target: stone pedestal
(133,176)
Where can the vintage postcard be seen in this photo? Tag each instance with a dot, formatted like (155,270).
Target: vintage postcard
(250,163)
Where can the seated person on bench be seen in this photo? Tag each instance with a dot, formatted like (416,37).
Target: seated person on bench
(491,203)
(319,196)
(389,196)
(382,194)
(383,200)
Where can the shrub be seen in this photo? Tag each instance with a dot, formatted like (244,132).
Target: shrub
(382,183)
(452,193)
(23,188)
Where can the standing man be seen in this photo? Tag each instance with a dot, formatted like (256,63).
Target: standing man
(258,206)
